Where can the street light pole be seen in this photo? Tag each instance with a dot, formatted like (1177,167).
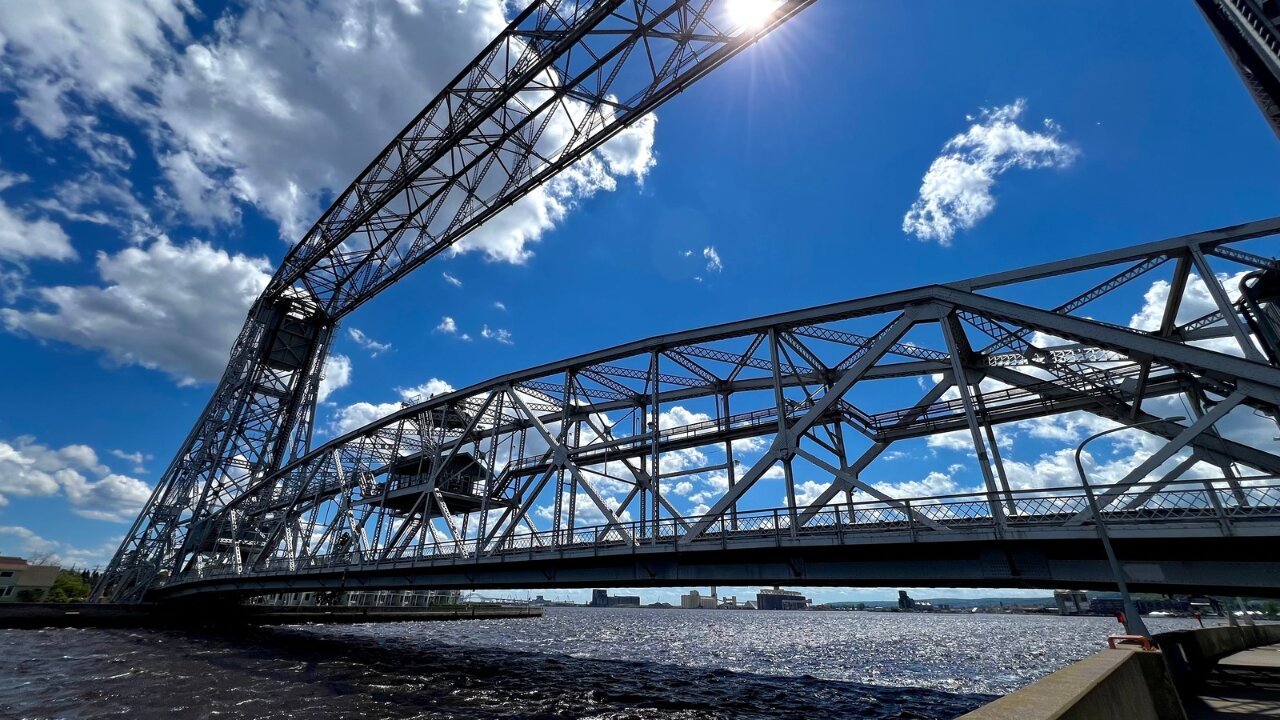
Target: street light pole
(1132,619)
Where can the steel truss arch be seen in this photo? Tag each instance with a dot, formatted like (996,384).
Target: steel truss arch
(593,450)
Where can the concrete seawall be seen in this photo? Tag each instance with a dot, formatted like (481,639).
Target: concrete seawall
(1129,682)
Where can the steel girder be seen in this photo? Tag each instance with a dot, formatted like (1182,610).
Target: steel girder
(1246,29)
(785,417)
(562,79)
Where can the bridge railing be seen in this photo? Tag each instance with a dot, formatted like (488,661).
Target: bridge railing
(1218,500)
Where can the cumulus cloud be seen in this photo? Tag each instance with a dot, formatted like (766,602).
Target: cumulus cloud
(585,511)
(26,238)
(357,415)
(374,347)
(451,279)
(335,375)
(175,308)
(233,119)
(447,325)
(29,469)
(956,191)
(235,116)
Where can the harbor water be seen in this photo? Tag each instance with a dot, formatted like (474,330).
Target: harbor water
(571,663)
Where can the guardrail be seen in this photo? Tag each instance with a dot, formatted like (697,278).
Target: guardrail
(1202,500)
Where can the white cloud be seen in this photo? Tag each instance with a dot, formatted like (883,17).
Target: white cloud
(498,334)
(114,497)
(32,546)
(935,483)
(713,259)
(498,304)
(956,191)
(807,492)
(335,376)
(357,415)
(585,511)
(176,308)
(30,469)
(24,238)
(137,458)
(679,416)
(451,279)
(235,116)
(100,52)
(447,326)
(374,347)
(425,391)
(750,445)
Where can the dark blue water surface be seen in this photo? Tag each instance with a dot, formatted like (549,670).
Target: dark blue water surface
(572,663)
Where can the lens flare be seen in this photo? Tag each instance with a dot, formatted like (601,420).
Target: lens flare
(750,14)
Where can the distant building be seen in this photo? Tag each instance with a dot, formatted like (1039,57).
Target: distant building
(693,600)
(778,599)
(1071,602)
(601,598)
(905,602)
(21,581)
(1113,606)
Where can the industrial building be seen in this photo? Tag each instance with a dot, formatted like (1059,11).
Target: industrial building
(21,581)
(1071,602)
(776,598)
(601,598)
(693,600)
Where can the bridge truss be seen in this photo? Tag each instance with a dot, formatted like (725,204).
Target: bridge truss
(561,80)
(597,453)
(613,437)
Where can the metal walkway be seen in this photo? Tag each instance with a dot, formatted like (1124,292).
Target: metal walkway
(1175,538)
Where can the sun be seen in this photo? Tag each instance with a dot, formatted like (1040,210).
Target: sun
(750,14)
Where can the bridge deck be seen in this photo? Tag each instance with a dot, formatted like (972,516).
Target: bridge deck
(1173,538)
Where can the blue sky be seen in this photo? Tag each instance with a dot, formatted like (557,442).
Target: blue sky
(157,156)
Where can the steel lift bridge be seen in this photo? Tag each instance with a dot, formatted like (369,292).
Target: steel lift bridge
(565,475)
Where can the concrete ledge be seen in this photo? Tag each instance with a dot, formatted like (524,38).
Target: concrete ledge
(1130,684)
(1191,654)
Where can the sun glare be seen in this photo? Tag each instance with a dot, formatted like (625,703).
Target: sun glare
(750,14)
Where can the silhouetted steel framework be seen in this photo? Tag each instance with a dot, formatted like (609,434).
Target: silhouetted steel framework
(247,502)
(567,474)
(1247,32)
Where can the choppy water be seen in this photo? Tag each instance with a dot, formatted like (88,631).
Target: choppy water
(572,663)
